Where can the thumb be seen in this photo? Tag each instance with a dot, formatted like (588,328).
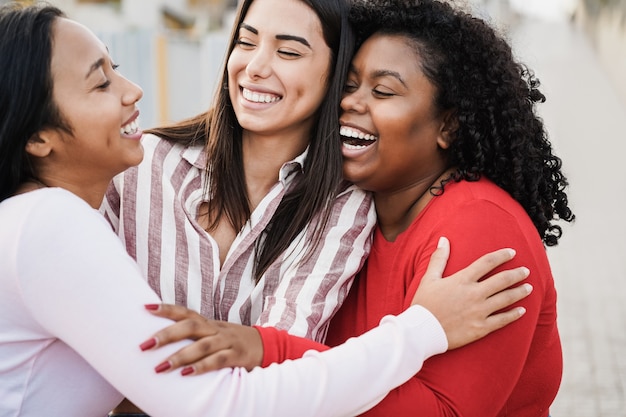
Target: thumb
(438,261)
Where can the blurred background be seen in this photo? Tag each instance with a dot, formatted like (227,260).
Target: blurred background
(175,49)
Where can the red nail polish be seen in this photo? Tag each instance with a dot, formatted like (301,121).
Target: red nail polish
(151,306)
(148,344)
(187,370)
(163,367)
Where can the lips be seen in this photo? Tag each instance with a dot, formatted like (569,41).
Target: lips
(131,127)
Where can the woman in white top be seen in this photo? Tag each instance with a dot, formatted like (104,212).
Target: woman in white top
(71,314)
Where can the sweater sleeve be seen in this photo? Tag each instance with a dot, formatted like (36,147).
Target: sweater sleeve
(279,346)
(478,379)
(85,290)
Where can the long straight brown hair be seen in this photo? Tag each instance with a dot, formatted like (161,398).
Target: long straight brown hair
(312,193)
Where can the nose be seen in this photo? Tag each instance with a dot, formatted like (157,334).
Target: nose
(132,92)
(353,101)
(259,65)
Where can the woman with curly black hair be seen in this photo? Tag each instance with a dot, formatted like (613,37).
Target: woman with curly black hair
(439,123)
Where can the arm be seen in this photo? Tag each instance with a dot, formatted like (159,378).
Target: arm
(464,306)
(87,272)
(313,286)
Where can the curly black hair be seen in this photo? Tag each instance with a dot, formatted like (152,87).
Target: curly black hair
(492,96)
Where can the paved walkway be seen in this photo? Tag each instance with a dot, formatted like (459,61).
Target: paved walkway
(585,118)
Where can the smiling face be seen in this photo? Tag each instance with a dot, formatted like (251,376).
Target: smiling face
(393,135)
(278,69)
(97,103)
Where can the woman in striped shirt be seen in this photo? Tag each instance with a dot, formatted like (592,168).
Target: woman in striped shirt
(241,212)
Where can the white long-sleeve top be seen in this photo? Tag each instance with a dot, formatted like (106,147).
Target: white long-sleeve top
(153,208)
(72,319)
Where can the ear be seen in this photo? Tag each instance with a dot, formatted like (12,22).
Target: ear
(447,131)
(40,144)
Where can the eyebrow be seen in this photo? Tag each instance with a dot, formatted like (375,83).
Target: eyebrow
(387,73)
(99,63)
(300,39)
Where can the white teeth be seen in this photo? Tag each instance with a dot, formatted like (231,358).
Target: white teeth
(353,133)
(130,128)
(349,146)
(259,97)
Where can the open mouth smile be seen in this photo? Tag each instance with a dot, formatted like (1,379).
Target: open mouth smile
(353,138)
(257,97)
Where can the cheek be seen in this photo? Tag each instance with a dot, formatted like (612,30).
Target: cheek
(237,61)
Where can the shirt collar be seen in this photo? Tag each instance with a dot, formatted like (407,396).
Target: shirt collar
(196,156)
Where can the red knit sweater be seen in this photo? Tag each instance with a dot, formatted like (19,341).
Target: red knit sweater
(515,371)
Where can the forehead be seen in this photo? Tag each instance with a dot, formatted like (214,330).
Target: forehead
(391,52)
(293,17)
(74,47)
(396,50)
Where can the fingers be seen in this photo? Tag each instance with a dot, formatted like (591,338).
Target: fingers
(438,260)
(503,280)
(207,354)
(189,325)
(171,311)
(486,263)
(497,321)
(505,298)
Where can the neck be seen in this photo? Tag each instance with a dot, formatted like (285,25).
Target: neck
(92,193)
(396,210)
(262,159)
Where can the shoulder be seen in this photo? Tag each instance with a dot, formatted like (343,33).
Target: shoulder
(482,194)
(352,198)
(478,210)
(159,151)
(348,189)
(57,205)
(57,217)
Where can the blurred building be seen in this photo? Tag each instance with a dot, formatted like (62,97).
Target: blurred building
(173,49)
(605,22)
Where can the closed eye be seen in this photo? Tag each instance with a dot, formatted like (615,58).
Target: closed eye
(382,94)
(104,85)
(244,44)
(289,54)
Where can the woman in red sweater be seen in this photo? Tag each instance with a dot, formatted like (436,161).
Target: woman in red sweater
(439,123)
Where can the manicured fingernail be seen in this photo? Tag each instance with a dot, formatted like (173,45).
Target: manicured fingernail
(511,252)
(148,344)
(152,307)
(528,287)
(163,367)
(187,370)
(526,271)
(521,311)
(442,242)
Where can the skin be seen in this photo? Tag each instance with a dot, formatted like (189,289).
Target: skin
(277,76)
(97,102)
(389,97)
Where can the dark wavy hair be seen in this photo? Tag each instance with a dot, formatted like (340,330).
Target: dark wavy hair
(26,104)
(221,133)
(492,96)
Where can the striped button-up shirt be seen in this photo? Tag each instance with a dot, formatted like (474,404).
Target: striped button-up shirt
(153,207)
